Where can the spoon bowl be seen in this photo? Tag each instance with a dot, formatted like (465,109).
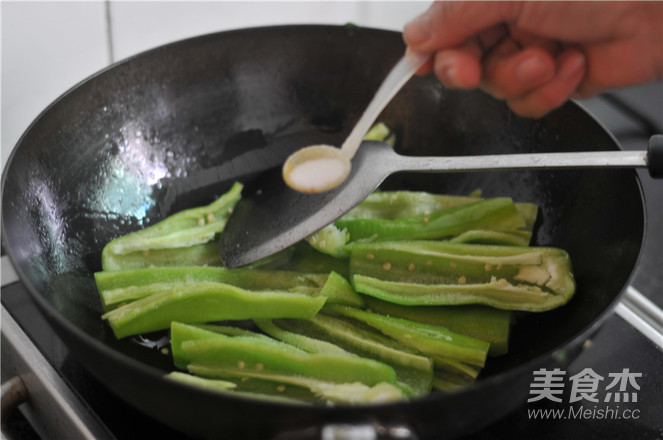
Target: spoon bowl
(316,169)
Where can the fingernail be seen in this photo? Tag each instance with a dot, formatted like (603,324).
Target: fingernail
(572,66)
(533,70)
(417,31)
(450,80)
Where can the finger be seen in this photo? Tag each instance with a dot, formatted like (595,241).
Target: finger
(529,39)
(510,73)
(448,24)
(571,69)
(459,68)
(492,37)
(474,48)
(425,68)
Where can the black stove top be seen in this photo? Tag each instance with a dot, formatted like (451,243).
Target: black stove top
(623,351)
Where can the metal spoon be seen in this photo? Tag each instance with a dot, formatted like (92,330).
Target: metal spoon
(272,216)
(320,168)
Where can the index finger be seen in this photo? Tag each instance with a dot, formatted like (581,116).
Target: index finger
(449,24)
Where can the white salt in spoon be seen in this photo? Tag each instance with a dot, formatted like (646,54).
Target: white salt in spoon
(319,168)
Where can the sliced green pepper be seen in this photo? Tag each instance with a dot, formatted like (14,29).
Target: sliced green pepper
(191,229)
(338,290)
(123,286)
(205,301)
(302,257)
(430,340)
(245,354)
(331,392)
(390,205)
(412,368)
(445,381)
(443,273)
(310,345)
(497,213)
(206,254)
(379,132)
(513,237)
(258,379)
(451,366)
(250,388)
(330,240)
(480,322)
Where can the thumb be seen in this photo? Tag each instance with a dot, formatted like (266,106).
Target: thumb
(449,24)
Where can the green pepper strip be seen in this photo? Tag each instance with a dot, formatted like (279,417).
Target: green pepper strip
(443,273)
(118,287)
(310,345)
(445,381)
(506,238)
(452,366)
(180,332)
(206,254)
(480,322)
(428,339)
(186,229)
(497,213)
(390,205)
(260,379)
(260,391)
(352,393)
(301,257)
(243,355)
(330,240)
(205,301)
(412,368)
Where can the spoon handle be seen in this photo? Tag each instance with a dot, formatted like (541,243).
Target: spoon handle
(395,80)
(593,159)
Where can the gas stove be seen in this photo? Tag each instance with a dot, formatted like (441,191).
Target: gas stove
(625,356)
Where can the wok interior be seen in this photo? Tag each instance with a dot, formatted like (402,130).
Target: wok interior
(133,144)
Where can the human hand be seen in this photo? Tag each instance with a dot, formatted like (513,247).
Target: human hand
(535,55)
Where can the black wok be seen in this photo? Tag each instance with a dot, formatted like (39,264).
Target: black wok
(153,134)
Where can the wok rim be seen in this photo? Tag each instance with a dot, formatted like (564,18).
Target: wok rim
(97,346)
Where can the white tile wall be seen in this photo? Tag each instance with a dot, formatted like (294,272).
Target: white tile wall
(48,47)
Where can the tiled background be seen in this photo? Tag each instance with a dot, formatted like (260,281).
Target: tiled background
(47,47)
